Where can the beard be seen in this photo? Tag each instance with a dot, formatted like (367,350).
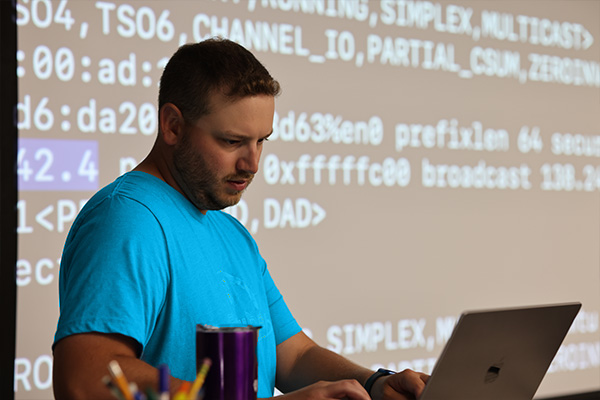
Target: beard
(200,183)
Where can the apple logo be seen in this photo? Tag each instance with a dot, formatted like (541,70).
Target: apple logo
(493,373)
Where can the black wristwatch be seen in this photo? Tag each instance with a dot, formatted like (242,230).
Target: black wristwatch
(380,372)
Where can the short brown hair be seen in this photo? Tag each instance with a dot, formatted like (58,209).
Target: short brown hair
(198,70)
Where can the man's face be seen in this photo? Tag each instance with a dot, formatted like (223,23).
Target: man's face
(217,157)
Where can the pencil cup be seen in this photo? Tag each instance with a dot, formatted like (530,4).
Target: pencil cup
(234,371)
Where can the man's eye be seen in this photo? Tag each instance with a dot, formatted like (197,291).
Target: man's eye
(231,141)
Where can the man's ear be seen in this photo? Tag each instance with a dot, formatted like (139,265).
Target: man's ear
(172,123)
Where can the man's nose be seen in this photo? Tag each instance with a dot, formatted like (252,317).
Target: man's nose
(250,159)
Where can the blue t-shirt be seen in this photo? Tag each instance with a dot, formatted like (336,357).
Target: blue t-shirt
(142,261)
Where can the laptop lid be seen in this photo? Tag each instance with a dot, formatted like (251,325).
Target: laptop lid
(499,354)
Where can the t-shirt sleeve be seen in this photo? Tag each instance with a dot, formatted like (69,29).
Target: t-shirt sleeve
(114,272)
(284,323)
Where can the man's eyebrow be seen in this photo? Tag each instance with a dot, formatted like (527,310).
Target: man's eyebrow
(231,134)
(241,136)
(268,135)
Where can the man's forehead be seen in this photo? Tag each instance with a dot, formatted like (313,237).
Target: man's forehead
(220,98)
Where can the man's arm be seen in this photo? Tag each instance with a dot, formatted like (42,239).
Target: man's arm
(301,362)
(80,362)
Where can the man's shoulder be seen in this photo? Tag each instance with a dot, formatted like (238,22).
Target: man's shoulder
(135,189)
(130,202)
(141,186)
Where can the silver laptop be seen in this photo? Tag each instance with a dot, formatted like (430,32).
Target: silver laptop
(499,354)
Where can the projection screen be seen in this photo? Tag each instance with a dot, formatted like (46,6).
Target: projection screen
(426,158)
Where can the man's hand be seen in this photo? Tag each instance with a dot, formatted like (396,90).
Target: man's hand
(403,385)
(309,371)
(345,389)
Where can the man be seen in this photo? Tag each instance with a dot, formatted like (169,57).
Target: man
(150,255)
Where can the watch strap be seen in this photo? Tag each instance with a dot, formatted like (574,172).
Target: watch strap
(371,380)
